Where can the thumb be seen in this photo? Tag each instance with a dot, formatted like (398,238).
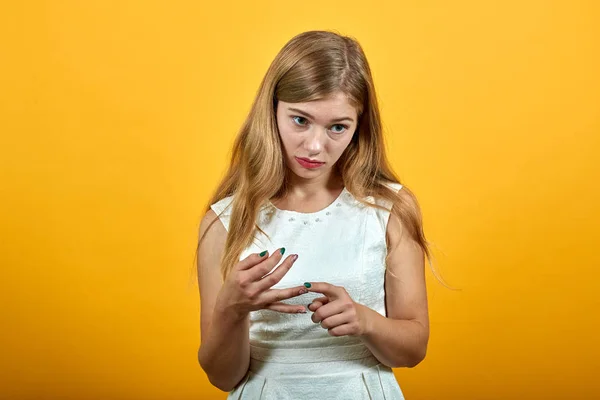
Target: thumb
(318,302)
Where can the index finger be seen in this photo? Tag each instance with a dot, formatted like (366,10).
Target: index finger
(332,291)
(261,269)
(252,260)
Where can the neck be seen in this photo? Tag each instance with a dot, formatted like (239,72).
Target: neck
(306,188)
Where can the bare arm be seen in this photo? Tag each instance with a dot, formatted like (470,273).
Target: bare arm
(400,340)
(224,352)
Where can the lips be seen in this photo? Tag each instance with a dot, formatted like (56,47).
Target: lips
(308,163)
(311,161)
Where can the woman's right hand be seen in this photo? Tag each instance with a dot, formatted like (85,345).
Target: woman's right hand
(248,289)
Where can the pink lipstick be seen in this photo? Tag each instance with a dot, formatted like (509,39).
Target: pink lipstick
(308,163)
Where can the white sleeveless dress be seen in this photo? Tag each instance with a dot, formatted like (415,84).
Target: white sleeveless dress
(292,357)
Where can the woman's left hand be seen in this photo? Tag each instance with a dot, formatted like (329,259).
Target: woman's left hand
(337,312)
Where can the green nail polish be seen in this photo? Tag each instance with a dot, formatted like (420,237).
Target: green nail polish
(263,253)
(307,284)
(282,250)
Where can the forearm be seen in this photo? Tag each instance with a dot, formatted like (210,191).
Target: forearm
(394,342)
(225,354)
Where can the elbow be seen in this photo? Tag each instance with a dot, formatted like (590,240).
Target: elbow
(419,351)
(416,359)
(215,381)
(411,359)
(226,385)
(418,356)
(202,361)
(221,385)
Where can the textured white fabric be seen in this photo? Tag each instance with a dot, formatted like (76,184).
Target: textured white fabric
(291,356)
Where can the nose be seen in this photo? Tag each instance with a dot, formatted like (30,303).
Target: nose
(315,141)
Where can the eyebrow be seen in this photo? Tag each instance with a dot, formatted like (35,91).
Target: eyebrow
(310,116)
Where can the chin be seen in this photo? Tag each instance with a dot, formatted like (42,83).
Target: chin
(307,174)
(302,173)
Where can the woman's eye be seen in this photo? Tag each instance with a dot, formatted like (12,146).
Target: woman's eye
(299,123)
(343,128)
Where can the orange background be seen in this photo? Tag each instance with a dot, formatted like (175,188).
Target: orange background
(116,121)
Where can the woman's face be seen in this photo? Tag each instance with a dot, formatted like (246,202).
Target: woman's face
(315,133)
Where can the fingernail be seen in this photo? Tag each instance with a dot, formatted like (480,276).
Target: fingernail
(282,250)
(307,284)
(302,310)
(303,291)
(294,257)
(263,253)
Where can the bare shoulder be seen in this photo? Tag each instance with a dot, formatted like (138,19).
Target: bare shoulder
(396,229)
(211,227)
(409,199)
(211,236)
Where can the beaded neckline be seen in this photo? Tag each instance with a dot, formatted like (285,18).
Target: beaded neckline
(325,211)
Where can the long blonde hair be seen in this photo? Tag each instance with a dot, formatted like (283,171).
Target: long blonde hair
(311,66)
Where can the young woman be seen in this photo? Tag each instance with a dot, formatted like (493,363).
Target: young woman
(311,254)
